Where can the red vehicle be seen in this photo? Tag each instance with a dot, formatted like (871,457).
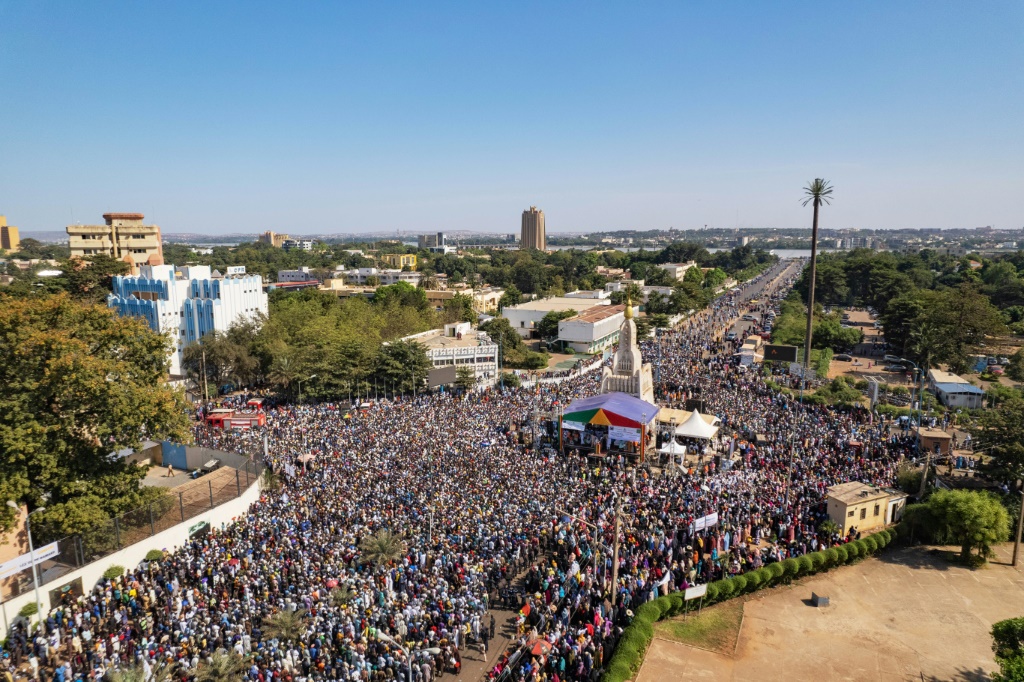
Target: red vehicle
(229,419)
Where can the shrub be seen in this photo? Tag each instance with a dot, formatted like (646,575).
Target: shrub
(726,589)
(805,564)
(632,637)
(712,593)
(648,612)
(766,576)
(29,610)
(777,571)
(677,603)
(628,651)
(870,544)
(754,580)
(831,556)
(664,605)
(881,539)
(113,572)
(618,671)
(817,560)
(739,584)
(843,553)
(790,568)
(646,631)
(853,550)
(154,555)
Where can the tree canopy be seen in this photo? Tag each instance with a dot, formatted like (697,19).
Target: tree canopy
(80,383)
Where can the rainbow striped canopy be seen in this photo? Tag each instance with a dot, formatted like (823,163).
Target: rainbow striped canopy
(612,409)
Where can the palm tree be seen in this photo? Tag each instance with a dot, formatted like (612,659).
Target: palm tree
(271,481)
(220,667)
(283,372)
(284,626)
(818,192)
(342,595)
(159,672)
(382,547)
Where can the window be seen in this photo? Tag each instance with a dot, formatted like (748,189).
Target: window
(876,510)
(864,513)
(850,515)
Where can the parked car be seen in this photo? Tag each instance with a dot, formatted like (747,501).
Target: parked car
(895,368)
(892,358)
(749,318)
(843,357)
(731,336)
(997,370)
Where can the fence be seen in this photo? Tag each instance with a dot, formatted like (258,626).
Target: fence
(177,506)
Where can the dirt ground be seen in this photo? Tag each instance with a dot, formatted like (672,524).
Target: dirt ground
(906,615)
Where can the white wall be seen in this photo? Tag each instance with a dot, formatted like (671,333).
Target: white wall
(130,557)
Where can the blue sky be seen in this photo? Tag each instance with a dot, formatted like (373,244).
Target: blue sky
(345,117)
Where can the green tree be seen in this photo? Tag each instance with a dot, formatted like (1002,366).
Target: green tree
(465,378)
(547,328)
(1008,646)
(285,626)
(715,278)
(404,363)
(401,293)
(90,279)
(221,666)
(459,308)
(973,520)
(79,384)
(382,548)
(694,276)
(512,296)
(1000,432)
(1015,370)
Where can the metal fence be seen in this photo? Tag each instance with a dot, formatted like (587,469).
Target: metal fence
(115,534)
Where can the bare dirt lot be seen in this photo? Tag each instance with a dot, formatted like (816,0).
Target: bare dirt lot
(906,615)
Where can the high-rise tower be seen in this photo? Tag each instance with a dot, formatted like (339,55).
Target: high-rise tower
(533,235)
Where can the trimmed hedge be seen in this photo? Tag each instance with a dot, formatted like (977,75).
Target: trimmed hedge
(636,638)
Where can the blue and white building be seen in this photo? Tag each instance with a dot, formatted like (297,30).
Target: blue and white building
(189,302)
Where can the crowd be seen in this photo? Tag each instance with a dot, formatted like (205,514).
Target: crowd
(484,522)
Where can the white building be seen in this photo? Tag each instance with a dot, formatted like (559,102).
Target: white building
(588,293)
(300,275)
(188,302)
(304,244)
(678,270)
(525,316)
(460,345)
(384,276)
(953,390)
(593,330)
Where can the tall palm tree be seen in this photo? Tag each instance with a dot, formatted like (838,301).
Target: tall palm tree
(284,626)
(818,192)
(382,547)
(220,667)
(283,372)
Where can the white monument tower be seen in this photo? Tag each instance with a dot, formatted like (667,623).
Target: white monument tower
(628,373)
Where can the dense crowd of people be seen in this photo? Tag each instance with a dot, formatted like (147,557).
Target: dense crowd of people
(485,523)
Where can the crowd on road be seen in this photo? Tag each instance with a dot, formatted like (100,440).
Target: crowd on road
(479,515)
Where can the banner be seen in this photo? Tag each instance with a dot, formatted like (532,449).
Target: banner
(705,521)
(572,426)
(695,592)
(623,433)
(9,568)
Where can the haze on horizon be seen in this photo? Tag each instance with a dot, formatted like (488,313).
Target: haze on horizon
(334,118)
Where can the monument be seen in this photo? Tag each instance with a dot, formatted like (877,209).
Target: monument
(628,373)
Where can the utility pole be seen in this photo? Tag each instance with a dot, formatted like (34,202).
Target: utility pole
(206,385)
(1020,523)
(924,475)
(615,551)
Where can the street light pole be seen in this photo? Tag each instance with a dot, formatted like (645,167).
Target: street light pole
(31,550)
(1020,523)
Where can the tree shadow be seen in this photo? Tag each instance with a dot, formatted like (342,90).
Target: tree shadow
(917,557)
(978,674)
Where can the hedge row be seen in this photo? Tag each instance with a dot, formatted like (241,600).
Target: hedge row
(629,653)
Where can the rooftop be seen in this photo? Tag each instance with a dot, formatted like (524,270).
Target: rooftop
(559,303)
(435,338)
(598,313)
(122,216)
(937,434)
(853,492)
(939,377)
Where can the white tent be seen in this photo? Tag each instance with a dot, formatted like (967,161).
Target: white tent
(697,427)
(673,448)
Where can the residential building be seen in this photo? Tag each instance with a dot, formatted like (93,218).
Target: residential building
(361,276)
(935,441)
(9,239)
(953,390)
(275,239)
(592,330)
(301,275)
(533,234)
(460,345)
(855,504)
(588,293)
(678,270)
(188,302)
(622,285)
(304,244)
(400,260)
(123,236)
(486,299)
(525,316)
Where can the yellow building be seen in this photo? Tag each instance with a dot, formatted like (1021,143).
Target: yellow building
(9,239)
(399,260)
(123,237)
(863,506)
(275,239)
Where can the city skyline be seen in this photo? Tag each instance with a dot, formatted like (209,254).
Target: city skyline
(357,120)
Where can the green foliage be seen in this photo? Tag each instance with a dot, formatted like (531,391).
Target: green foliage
(843,553)
(510,380)
(739,584)
(790,568)
(1008,646)
(382,548)
(726,588)
(155,555)
(648,611)
(804,564)
(777,571)
(1015,370)
(973,520)
(664,605)
(831,556)
(712,593)
(1001,432)
(113,572)
(754,580)
(547,328)
(853,550)
(29,610)
(404,363)
(465,378)
(870,544)
(677,603)
(817,560)
(79,383)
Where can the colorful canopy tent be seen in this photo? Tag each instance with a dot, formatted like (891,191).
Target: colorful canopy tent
(626,417)
(611,409)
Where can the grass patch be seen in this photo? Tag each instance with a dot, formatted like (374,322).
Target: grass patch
(715,629)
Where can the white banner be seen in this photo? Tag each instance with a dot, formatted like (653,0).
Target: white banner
(9,568)
(623,433)
(705,521)
(695,592)
(572,426)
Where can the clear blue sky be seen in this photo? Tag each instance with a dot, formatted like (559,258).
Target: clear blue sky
(347,117)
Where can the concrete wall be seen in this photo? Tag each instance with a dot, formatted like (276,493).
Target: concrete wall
(130,557)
